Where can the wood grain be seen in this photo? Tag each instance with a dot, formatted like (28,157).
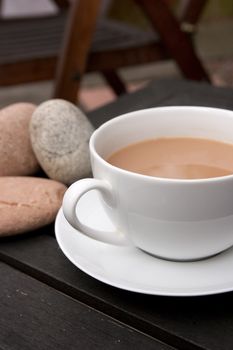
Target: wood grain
(35,316)
(165,92)
(185,323)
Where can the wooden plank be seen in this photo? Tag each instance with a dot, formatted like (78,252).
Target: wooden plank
(31,71)
(35,316)
(127,57)
(32,38)
(44,68)
(185,323)
(165,92)
(189,323)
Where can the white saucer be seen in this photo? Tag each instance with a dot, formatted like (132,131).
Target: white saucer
(131,269)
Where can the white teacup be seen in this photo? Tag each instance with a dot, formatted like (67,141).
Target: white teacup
(169,218)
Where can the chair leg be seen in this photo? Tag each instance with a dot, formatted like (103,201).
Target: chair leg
(71,66)
(177,43)
(191,10)
(62,4)
(116,83)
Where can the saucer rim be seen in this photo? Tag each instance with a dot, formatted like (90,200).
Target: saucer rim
(200,292)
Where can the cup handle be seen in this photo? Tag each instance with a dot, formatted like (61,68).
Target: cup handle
(70,201)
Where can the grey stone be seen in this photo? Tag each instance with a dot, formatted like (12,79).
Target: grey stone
(60,135)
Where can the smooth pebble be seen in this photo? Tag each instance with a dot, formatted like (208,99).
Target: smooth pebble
(27,203)
(60,134)
(16,154)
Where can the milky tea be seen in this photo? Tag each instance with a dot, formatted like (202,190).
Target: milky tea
(176,158)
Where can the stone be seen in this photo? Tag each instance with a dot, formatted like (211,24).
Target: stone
(16,154)
(28,203)
(60,134)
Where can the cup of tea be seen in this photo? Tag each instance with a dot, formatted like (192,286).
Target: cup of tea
(165,178)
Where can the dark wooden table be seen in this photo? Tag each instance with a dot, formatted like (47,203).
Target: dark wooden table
(47,303)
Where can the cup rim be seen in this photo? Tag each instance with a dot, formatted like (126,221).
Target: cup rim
(148,177)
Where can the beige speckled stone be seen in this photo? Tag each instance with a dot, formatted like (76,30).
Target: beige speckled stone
(27,203)
(60,133)
(16,154)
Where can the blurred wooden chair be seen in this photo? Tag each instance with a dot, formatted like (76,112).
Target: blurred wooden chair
(29,46)
(30,50)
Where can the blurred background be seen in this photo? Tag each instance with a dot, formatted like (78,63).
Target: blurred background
(213,42)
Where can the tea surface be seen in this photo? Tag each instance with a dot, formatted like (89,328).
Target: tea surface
(177,158)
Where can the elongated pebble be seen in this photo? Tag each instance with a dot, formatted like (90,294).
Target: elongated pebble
(27,203)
